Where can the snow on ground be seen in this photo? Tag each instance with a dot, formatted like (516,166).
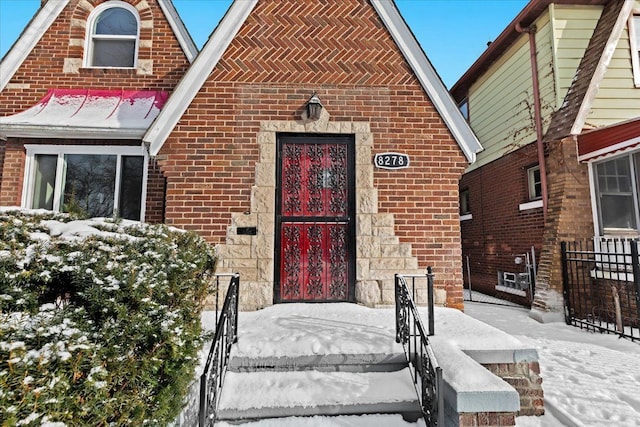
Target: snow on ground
(589,379)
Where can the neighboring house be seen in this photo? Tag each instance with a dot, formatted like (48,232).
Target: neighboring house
(555,102)
(283,182)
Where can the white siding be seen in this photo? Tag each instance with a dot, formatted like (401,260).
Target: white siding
(617,99)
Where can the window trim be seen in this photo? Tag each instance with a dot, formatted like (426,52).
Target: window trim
(90,35)
(599,229)
(531,183)
(634,31)
(468,196)
(61,150)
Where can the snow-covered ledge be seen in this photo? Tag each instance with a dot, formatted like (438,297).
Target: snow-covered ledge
(476,359)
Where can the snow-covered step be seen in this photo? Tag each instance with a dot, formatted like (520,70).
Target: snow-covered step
(266,394)
(379,362)
(376,420)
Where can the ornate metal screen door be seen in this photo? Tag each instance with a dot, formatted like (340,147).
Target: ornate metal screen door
(314,219)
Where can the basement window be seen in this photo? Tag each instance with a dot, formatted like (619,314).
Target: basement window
(93,181)
(113,30)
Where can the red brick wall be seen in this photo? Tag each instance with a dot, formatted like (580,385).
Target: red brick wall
(499,231)
(269,71)
(43,70)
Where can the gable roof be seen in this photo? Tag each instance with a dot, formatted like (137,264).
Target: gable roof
(49,12)
(569,119)
(212,52)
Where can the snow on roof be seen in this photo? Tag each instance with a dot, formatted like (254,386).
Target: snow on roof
(87,113)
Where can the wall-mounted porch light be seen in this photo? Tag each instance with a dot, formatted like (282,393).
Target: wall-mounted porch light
(314,107)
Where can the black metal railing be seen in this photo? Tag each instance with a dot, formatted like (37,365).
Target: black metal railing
(601,285)
(226,335)
(426,373)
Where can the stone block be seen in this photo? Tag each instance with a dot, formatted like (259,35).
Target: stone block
(262,246)
(367,201)
(368,293)
(262,200)
(265,175)
(363,225)
(368,247)
(240,219)
(362,269)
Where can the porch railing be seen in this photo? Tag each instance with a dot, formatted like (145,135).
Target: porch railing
(601,285)
(226,335)
(426,373)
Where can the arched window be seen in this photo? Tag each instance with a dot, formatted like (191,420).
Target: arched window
(113,31)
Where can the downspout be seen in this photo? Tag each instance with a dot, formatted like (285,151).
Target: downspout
(537,110)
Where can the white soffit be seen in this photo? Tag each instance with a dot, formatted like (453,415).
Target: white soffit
(30,36)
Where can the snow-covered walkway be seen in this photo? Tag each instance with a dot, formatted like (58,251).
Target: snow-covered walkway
(589,379)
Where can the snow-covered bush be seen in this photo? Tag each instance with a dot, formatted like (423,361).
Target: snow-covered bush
(99,319)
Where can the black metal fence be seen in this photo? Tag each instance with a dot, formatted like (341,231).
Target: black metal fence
(226,335)
(426,373)
(601,279)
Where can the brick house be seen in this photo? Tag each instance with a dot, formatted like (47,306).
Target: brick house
(265,145)
(555,101)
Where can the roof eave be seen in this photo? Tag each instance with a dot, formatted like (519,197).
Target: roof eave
(508,36)
(197,74)
(429,79)
(179,29)
(31,35)
(66,132)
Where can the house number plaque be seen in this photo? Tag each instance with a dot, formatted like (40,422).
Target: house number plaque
(391,160)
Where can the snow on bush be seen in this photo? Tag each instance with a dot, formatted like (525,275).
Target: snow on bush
(99,319)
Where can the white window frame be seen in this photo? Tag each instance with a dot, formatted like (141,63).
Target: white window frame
(634,33)
(595,210)
(62,150)
(90,36)
(531,183)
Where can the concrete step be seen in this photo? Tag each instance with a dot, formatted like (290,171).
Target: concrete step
(321,362)
(274,394)
(376,420)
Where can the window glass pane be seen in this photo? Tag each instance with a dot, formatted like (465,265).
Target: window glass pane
(116,21)
(464,202)
(535,183)
(131,187)
(113,53)
(614,175)
(617,211)
(636,27)
(89,184)
(45,180)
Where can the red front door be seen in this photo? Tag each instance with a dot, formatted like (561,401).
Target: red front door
(314,219)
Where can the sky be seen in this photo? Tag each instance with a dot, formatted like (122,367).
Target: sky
(453,33)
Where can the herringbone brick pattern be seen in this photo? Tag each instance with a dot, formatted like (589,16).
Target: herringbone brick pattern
(337,42)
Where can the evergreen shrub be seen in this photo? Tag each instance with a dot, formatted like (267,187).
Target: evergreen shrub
(99,319)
